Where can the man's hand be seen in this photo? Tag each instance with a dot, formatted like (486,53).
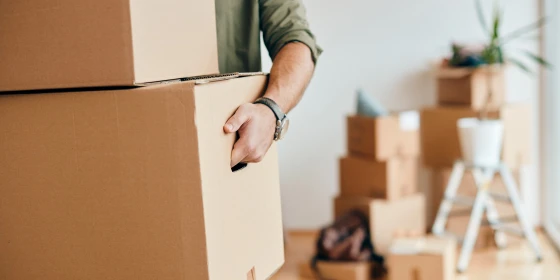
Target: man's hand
(256,125)
(291,72)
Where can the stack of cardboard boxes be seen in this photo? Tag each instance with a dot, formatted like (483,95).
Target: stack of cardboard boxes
(379,178)
(379,175)
(462,93)
(107,172)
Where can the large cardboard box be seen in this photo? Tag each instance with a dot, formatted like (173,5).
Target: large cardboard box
(340,270)
(390,179)
(135,184)
(383,138)
(425,258)
(386,218)
(440,138)
(470,86)
(47,44)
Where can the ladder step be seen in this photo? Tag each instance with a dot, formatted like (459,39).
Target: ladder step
(510,230)
(500,197)
(460,212)
(501,221)
(461,200)
(453,235)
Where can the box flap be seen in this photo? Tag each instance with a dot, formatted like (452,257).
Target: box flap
(454,72)
(204,79)
(460,72)
(420,246)
(407,246)
(409,120)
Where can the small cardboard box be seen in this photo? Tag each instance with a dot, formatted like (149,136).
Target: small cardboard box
(338,270)
(391,179)
(383,138)
(424,258)
(440,137)
(135,184)
(470,86)
(49,44)
(387,217)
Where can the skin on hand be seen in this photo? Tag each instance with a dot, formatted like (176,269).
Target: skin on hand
(256,124)
(291,72)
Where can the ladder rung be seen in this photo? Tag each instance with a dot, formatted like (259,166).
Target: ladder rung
(511,230)
(457,237)
(500,197)
(460,212)
(462,200)
(501,221)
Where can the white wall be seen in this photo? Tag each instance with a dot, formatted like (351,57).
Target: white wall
(385,47)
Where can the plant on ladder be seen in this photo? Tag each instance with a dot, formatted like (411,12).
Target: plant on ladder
(482,138)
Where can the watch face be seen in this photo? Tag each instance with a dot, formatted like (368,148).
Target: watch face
(285,126)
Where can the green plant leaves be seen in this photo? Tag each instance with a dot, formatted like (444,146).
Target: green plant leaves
(524,30)
(481,19)
(538,59)
(520,64)
(496,23)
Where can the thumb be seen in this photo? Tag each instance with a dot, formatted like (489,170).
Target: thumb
(236,121)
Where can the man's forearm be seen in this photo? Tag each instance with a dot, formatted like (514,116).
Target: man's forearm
(291,72)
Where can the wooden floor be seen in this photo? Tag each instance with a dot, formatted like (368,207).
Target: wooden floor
(516,262)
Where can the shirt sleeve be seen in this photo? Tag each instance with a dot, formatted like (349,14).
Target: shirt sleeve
(285,21)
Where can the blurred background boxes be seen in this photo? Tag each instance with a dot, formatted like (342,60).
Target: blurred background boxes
(387,217)
(440,139)
(379,176)
(469,86)
(391,179)
(338,270)
(382,138)
(422,258)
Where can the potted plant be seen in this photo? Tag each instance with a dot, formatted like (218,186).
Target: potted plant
(482,137)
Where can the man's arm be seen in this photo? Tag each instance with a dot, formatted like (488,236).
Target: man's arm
(293,50)
(291,72)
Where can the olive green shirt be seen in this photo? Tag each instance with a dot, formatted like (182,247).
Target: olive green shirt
(239,23)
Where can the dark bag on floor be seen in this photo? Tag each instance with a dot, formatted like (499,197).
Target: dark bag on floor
(347,239)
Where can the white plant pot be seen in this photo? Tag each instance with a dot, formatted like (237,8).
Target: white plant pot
(481,141)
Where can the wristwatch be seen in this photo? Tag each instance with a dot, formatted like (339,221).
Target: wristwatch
(282,121)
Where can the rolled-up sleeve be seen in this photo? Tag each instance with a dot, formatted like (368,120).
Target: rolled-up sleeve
(285,21)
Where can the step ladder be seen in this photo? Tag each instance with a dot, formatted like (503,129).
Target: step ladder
(483,203)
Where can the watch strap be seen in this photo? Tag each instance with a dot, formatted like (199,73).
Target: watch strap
(273,106)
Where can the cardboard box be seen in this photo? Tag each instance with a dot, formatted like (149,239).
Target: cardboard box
(425,258)
(49,44)
(470,86)
(386,217)
(383,138)
(135,184)
(339,270)
(440,139)
(390,179)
